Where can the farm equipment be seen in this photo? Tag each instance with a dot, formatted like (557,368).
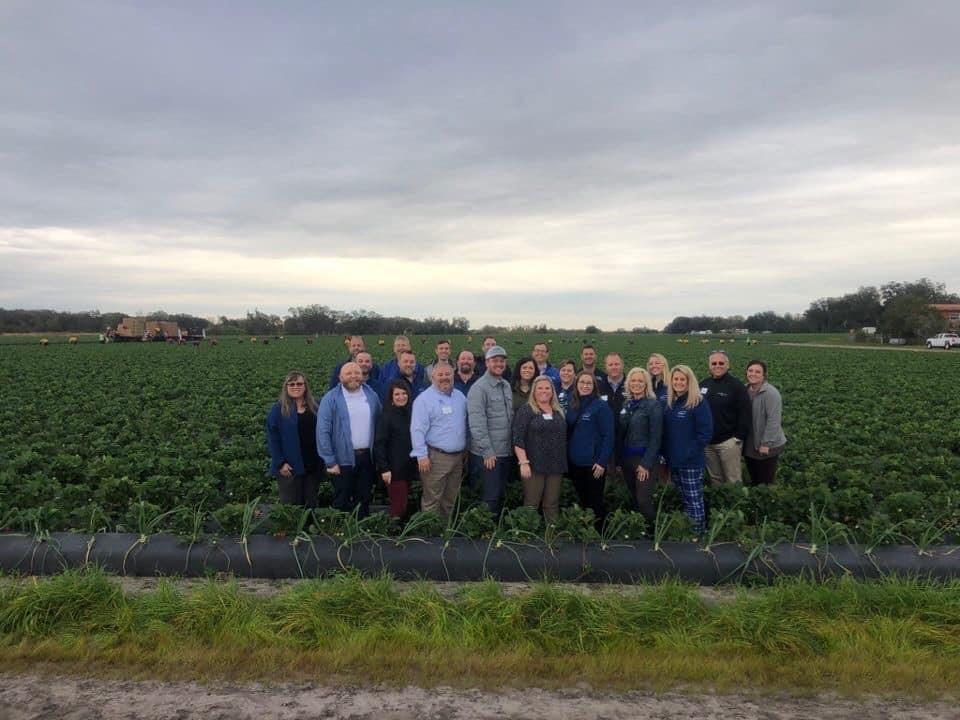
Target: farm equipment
(149,330)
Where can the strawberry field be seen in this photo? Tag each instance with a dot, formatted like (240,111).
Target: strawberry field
(154,436)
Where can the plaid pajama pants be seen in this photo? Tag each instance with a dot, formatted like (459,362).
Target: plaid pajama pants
(689,481)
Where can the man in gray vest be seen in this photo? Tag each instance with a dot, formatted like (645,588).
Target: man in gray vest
(490,413)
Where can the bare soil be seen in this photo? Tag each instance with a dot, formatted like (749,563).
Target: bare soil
(899,348)
(24,697)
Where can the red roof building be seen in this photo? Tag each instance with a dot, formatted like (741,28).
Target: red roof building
(950,312)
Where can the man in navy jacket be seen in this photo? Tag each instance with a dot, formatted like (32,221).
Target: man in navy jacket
(355,346)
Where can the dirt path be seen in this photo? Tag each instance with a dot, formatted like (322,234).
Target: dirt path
(64,698)
(897,348)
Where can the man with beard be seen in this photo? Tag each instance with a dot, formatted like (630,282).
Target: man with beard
(346,422)
(490,413)
(466,372)
(355,345)
(438,434)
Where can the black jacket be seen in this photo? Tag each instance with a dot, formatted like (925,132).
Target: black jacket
(729,404)
(615,399)
(391,444)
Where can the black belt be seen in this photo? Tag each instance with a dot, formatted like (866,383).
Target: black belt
(444,452)
(361,451)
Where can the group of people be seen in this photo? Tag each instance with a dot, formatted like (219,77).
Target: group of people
(470,418)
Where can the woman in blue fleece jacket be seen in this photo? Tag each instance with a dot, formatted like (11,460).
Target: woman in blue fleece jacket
(590,436)
(291,438)
(687,427)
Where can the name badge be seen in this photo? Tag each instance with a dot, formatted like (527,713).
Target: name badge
(548,416)
(446,409)
(603,397)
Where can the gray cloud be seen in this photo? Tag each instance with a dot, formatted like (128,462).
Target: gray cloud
(731,133)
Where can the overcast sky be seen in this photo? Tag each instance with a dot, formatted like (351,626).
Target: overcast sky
(515,162)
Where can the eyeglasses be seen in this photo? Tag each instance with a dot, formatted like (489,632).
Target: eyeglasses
(298,383)
(718,363)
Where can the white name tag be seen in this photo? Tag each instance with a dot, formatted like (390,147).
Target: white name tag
(548,416)
(603,397)
(446,409)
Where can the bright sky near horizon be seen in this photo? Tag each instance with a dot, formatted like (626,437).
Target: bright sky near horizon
(616,163)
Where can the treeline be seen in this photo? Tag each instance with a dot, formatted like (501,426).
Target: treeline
(896,309)
(90,321)
(306,320)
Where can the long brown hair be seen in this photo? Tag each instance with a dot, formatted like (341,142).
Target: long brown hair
(287,404)
(575,400)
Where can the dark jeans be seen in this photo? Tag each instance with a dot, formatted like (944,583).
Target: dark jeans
(474,470)
(353,487)
(641,493)
(589,490)
(762,472)
(493,483)
(299,489)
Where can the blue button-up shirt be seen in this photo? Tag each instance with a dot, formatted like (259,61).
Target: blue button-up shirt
(438,420)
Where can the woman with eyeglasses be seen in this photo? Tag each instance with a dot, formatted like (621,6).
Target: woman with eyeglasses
(291,438)
(765,441)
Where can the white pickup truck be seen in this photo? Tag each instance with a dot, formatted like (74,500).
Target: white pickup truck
(944,340)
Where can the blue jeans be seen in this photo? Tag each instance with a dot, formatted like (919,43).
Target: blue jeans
(493,482)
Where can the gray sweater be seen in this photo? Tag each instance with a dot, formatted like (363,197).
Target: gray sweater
(489,412)
(765,428)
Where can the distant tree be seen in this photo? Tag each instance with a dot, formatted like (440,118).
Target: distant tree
(923,288)
(260,323)
(911,317)
(592,330)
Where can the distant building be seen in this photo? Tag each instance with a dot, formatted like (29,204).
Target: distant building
(950,312)
(868,330)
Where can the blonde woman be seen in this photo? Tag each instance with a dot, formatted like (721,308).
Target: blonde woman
(659,370)
(688,427)
(540,444)
(291,438)
(640,432)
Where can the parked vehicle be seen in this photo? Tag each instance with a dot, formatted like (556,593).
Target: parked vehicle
(944,340)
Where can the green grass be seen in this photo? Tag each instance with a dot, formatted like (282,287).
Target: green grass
(896,636)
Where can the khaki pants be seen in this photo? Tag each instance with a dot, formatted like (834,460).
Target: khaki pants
(441,485)
(546,489)
(723,461)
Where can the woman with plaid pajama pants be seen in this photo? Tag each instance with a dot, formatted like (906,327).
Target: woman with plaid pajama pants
(688,427)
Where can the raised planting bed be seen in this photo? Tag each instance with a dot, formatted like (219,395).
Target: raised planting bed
(459,559)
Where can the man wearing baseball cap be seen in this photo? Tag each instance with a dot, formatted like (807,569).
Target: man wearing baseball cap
(489,414)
